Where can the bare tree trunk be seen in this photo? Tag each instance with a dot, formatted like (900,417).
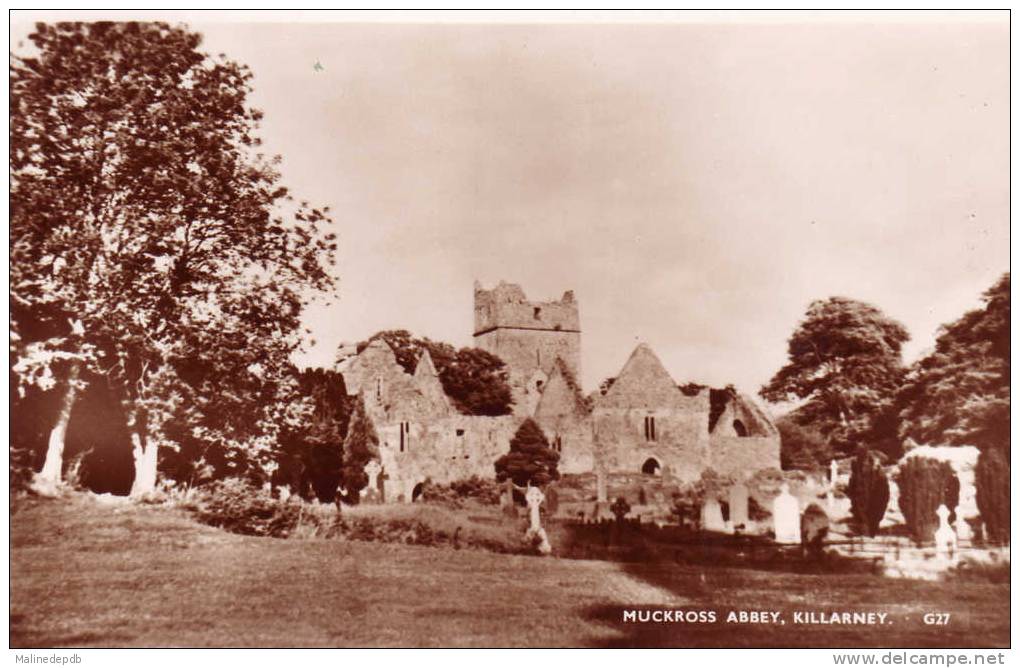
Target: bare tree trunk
(145,465)
(48,479)
(144,453)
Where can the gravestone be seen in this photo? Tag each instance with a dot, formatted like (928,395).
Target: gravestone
(963,528)
(786,516)
(711,516)
(945,537)
(738,505)
(833,472)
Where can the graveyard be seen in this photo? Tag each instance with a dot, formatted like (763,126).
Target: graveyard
(87,572)
(115,567)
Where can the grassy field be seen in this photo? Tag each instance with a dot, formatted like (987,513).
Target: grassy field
(85,574)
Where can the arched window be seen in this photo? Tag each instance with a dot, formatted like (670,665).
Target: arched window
(416,492)
(739,427)
(651,466)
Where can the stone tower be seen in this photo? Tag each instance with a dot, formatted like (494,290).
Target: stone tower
(528,336)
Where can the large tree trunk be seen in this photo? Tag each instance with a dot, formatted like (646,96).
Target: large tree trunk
(48,479)
(145,466)
(144,453)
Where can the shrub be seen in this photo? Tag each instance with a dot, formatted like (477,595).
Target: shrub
(991,479)
(814,528)
(482,490)
(925,484)
(868,491)
(238,507)
(530,459)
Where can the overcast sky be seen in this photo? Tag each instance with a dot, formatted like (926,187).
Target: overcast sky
(696,185)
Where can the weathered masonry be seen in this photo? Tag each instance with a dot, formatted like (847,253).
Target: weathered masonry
(643,423)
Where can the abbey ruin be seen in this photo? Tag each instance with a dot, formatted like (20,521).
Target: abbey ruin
(644,423)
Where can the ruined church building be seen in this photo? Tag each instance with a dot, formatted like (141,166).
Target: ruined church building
(645,422)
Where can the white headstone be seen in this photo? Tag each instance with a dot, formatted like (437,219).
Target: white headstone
(963,530)
(738,505)
(711,516)
(945,537)
(786,516)
(833,472)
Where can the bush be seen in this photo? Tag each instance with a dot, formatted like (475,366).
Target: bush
(868,491)
(925,484)
(991,479)
(237,506)
(482,490)
(530,460)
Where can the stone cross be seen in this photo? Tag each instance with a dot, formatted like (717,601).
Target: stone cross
(372,470)
(738,505)
(945,537)
(786,516)
(535,497)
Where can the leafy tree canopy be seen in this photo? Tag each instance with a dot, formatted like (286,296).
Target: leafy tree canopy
(959,394)
(475,380)
(844,365)
(150,241)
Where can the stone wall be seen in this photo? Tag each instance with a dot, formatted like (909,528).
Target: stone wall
(442,451)
(742,456)
(528,336)
(680,446)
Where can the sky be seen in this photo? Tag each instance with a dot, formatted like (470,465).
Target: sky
(696,183)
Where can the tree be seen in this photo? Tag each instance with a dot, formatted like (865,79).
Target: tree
(959,394)
(991,479)
(149,237)
(869,491)
(474,379)
(801,447)
(530,461)
(360,447)
(844,365)
(924,485)
(310,456)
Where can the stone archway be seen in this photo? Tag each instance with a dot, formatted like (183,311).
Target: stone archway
(651,466)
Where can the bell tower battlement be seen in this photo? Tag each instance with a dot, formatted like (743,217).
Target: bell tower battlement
(527,335)
(506,306)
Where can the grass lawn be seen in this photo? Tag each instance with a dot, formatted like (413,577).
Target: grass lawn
(88,574)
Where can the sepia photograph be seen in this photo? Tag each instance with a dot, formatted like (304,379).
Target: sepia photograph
(478,329)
